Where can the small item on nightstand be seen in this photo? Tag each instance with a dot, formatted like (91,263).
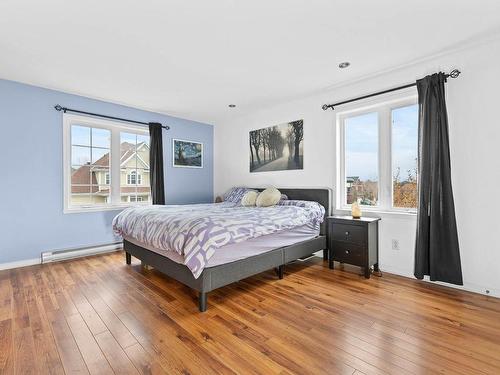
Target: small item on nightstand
(355,211)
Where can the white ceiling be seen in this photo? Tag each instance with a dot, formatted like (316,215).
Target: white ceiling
(191,58)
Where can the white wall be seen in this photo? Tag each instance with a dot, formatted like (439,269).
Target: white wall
(473,109)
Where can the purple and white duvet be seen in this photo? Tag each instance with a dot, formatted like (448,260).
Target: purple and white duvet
(195,231)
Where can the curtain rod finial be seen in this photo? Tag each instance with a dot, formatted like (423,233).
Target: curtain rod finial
(326,106)
(455,73)
(58,107)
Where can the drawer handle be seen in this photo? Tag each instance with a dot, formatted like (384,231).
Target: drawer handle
(347,233)
(347,251)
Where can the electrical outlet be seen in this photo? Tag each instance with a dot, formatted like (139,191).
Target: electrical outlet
(395,244)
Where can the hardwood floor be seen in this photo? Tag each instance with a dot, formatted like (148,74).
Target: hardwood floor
(97,315)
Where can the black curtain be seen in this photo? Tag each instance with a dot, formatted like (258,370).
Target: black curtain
(156,163)
(437,251)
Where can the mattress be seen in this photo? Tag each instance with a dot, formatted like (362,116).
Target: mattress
(241,250)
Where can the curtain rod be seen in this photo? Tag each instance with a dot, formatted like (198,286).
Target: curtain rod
(64,109)
(453,74)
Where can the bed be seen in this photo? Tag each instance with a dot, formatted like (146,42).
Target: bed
(235,260)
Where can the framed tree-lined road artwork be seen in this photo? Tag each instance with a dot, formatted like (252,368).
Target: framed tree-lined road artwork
(277,148)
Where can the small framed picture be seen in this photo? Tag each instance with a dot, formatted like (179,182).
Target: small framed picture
(187,154)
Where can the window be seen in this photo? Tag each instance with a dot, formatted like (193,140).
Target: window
(131,178)
(361,159)
(105,164)
(134,178)
(134,198)
(377,156)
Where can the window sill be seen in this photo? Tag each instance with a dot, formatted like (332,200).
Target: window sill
(373,212)
(116,207)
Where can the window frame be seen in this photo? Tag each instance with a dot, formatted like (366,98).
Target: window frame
(383,107)
(114,168)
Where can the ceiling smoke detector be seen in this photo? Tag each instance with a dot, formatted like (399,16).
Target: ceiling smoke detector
(344,64)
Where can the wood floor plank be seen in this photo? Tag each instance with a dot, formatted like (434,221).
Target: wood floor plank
(5,299)
(92,355)
(47,356)
(119,361)
(69,352)
(143,362)
(6,347)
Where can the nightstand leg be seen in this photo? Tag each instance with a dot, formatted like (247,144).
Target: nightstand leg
(330,259)
(367,272)
(128,258)
(375,268)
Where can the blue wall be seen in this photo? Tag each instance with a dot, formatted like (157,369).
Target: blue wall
(31,184)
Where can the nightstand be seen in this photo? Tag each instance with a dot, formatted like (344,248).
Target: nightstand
(353,241)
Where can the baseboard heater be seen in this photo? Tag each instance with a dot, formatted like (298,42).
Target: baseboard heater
(78,252)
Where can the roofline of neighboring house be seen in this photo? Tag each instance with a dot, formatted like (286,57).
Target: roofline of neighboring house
(135,152)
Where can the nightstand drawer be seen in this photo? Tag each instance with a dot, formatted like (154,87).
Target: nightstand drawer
(348,253)
(348,233)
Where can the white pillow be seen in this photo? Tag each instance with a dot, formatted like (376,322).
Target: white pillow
(249,198)
(268,197)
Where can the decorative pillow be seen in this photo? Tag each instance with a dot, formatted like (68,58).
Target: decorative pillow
(283,197)
(269,197)
(249,198)
(235,194)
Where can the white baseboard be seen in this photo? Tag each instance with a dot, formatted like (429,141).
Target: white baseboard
(19,264)
(467,286)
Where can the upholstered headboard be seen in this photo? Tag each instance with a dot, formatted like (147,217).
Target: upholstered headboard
(320,195)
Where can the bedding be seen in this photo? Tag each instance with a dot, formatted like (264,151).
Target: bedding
(196,231)
(235,194)
(241,250)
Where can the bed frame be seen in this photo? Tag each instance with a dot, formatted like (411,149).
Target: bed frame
(218,276)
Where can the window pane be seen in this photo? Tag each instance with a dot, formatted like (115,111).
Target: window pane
(404,156)
(142,177)
(101,138)
(143,151)
(80,195)
(80,155)
(134,179)
(361,159)
(126,192)
(100,156)
(127,141)
(100,175)
(100,195)
(82,175)
(80,135)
